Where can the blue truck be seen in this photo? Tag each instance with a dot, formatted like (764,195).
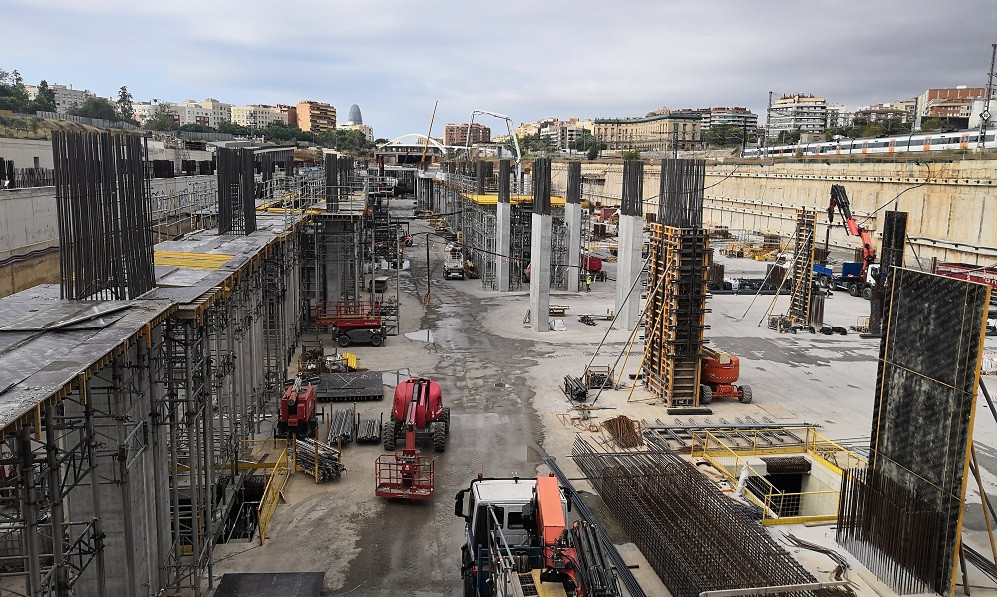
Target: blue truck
(849,276)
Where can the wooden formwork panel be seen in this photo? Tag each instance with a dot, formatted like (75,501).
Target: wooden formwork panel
(678,270)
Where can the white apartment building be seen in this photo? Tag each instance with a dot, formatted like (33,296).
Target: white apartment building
(191,112)
(65,97)
(218,112)
(804,113)
(366,129)
(256,116)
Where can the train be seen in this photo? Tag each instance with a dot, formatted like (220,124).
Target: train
(911,142)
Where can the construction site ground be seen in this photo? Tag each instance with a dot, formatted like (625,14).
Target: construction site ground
(503,381)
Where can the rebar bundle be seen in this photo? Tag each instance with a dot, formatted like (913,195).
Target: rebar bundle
(787,465)
(596,570)
(341,426)
(105,234)
(236,191)
(329,466)
(625,431)
(694,537)
(680,197)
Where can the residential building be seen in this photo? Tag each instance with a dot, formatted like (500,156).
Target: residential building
(838,116)
(65,97)
(367,131)
(881,113)
(456,134)
(191,112)
(526,129)
(143,111)
(256,116)
(804,113)
(219,112)
(657,132)
(739,117)
(316,117)
(288,114)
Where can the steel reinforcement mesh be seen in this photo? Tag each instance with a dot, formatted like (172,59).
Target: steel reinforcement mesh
(695,538)
(903,517)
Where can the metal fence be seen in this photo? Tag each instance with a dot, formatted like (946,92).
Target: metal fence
(98,122)
(23,178)
(268,503)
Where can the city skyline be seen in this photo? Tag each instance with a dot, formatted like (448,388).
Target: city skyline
(395,64)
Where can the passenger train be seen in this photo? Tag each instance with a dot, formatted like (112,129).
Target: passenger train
(919,142)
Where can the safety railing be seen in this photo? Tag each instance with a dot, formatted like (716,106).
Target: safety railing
(268,503)
(736,454)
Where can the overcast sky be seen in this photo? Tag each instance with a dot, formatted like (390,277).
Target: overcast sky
(526,59)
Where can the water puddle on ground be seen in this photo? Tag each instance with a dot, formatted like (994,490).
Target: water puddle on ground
(421,335)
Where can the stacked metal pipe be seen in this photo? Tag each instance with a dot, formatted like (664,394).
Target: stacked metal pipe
(597,575)
(368,431)
(341,426)
(575,389)
(329,466)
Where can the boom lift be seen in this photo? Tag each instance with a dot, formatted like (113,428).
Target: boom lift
(298,414)
(839,200)
(418,413)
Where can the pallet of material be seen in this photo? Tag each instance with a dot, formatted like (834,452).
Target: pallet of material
(350,386)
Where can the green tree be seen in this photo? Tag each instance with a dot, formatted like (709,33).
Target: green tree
(630,154)
(381,141)
(13,95)
(232,128)
(535,144)
(593,152)
(196,128)
(124,107)
(95,107)
(45,100)
(937,124)
(161,120)
(788,137)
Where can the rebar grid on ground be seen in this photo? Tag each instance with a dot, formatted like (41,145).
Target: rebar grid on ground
(694,537)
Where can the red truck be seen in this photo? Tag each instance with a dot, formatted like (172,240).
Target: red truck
(972,273)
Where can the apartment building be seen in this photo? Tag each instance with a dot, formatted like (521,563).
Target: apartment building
(804,113)
(218,112)
(256,116)
(66,98)
(657,132)
(456,134)
(316,117)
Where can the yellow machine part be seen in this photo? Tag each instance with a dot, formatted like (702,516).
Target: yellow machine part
(191,260)
(548,589)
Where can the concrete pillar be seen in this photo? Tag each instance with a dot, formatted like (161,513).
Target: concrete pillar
(573,225)
(631,229)
(540,247)
(503,216)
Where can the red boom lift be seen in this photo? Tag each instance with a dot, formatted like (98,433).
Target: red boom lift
(418,412)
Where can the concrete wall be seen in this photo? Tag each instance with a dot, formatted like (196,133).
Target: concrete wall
(29,226)
(24,151)
(952,206)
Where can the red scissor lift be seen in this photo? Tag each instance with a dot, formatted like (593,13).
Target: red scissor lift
(354,321)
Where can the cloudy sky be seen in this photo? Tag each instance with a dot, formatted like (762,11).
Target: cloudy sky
(526,59)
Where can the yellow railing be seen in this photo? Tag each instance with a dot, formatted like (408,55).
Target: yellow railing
(730,452)
(268,503)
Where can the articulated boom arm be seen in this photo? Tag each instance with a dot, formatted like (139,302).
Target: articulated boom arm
(839,202)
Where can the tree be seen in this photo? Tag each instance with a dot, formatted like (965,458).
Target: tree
(161,119)
(124,107)
(95,107)
(380,141)
(788,137)
(13,95)
(630,154)
(45,100)
(196,128)
(937,124)
(593,152)
(232,128)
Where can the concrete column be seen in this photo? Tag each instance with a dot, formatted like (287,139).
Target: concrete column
(540,247)
(503,215)
(573,224)
(631,230)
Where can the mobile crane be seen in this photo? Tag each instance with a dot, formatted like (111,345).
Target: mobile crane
(518,542)
(856,277)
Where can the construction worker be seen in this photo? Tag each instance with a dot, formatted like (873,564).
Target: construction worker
(588,282)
